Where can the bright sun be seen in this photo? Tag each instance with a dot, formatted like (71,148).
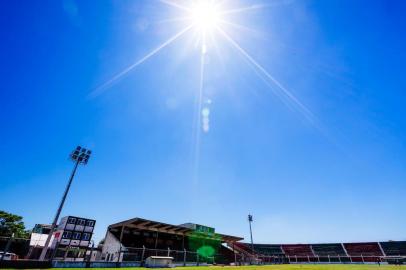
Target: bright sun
(205,15)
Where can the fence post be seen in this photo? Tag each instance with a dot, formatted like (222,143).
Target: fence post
(142,255)
(169,252)
(184,257)
(197,258)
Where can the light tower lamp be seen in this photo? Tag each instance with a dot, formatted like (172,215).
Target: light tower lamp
(80,156)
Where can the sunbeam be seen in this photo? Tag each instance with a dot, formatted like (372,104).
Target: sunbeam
(302,108)
(172,20)
(205,19)
(105,85)
(198,112)
(176,5)
(240,27)
(256,7)
(243,9)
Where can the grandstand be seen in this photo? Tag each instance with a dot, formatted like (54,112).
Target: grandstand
(369,252)
(137,239)
(269,250)
(131,242)
(330,253)
(394,248)
(363,252)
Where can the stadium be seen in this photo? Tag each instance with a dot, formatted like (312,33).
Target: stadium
(134,240)
(183,116)
(140,242)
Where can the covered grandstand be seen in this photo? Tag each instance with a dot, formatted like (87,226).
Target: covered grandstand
(138,238)
(189,244)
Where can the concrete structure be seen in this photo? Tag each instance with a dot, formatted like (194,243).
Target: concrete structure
(39,235)
(38,238)
(137,239)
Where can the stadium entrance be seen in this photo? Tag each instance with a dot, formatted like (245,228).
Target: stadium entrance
(136,239)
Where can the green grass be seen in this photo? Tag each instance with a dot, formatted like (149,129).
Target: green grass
(277,267)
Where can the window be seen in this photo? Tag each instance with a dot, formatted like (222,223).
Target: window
(66,235)
(76,236)
(90,223)
(81,222)
(71,220)
(86,237)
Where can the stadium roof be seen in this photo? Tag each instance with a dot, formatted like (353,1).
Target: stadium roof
(150,225)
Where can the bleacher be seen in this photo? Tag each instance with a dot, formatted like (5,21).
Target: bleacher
(363,252)
(328,250)
(268,250)
(298,250)
(299,253)
(330,253)
(363,249)
(244,247)
(394,248)
(370,252)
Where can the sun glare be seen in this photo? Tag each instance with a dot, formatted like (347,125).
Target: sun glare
(209,22)
(205,15)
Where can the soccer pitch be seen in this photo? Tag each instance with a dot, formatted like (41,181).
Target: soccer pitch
(281,267)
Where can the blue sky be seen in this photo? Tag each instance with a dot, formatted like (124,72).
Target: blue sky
(340,177)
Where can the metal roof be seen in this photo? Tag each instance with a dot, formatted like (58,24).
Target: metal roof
(150,225)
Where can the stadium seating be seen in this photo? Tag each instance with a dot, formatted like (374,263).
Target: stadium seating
(328,250)
(299,250)
(363,252)
(244,247)
(370,252)
(268,250)
(363,249)
(394,248)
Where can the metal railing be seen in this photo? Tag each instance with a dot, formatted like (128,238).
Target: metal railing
(180,257)
(137,256)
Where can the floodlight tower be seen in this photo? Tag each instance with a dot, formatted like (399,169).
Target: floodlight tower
(250,220)
(80,156)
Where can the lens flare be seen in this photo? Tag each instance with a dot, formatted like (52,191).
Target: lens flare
(206,20)
(205,15)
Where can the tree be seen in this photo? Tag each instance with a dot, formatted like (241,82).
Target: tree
(10,223)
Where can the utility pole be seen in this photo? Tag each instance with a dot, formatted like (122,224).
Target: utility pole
(250,220)
(80,156)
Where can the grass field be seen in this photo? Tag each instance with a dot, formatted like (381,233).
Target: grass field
(281,267)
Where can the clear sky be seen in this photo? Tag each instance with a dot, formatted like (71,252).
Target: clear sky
(330,169)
